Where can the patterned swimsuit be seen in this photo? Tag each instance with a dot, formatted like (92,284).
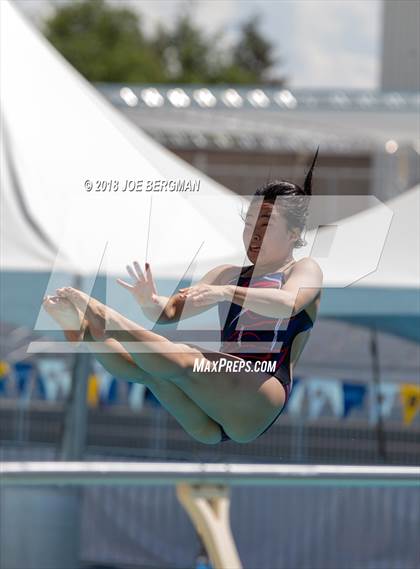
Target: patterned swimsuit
(252,336)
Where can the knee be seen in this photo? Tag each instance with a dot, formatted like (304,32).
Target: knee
(208,434)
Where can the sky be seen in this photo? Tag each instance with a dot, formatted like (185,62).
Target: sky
(320,43)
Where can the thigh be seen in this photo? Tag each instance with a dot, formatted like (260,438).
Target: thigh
(241,401)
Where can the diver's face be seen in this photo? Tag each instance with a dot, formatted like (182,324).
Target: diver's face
(266,236)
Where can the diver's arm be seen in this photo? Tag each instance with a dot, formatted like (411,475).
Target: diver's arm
(302,286)
(161,309)
(176,307)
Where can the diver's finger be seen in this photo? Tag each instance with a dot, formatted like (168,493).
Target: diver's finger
(124,284)
(150,278)
(131,272)
(139,272)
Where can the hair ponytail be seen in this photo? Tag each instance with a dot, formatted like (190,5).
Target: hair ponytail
(307,186)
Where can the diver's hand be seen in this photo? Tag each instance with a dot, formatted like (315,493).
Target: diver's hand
(144,288)
(204,294)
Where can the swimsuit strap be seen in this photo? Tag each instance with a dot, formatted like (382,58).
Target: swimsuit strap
(244,269)
(288,265)
(292,261)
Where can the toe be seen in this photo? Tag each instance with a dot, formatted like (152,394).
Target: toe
(69,291)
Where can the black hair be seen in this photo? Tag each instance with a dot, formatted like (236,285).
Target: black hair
(295,210)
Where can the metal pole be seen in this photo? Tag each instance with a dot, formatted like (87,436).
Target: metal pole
(75,421)
(376,381)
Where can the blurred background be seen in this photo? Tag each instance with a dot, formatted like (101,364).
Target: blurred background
(239,90)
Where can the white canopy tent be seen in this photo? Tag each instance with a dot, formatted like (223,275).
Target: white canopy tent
(399,262)
(58,132)
(389,296)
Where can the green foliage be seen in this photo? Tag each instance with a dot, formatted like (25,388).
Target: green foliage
(106,43)
(185,52)
(253,53)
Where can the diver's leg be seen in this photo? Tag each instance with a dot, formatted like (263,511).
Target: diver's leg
(115,359)
(243,402)
(188,414)
(152,352)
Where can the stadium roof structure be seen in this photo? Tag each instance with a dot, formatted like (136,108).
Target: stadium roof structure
(270,119)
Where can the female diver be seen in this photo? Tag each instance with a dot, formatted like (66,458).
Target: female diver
(267,311)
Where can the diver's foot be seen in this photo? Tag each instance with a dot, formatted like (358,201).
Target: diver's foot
(67,316)
(95,312)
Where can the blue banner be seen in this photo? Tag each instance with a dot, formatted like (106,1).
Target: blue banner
(354,396)
(23,371)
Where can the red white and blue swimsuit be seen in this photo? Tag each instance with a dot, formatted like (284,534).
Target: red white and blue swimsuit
(252,336)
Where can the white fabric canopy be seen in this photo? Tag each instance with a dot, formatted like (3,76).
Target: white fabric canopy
(399,263)
(58,132)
